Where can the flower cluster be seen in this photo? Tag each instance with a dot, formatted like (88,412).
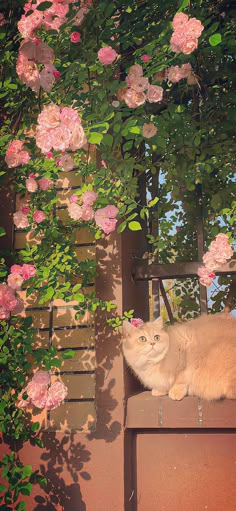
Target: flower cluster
(186,33)
(176,73)
(32,185)
(9,303)
(32,52)
(59,129)
(220,251)
(20,274)
(15,155)
(105,218)
(139,89)
(51,18)
(41,394)
(21,218)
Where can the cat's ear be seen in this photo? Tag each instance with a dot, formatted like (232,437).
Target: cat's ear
(159,322)
(128,328)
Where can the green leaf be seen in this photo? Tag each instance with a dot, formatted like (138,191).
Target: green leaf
(79,297)
(95,138)
(183,4)
(2,487)
(21,506)
(35,426)
(135,226)
(48,295)
(135,129)
(153,202)
(108,139)
(215,39)
(43,6)
(26,489)
(2,231)
(121,227)
(68,354)
(27,471)
(76,288)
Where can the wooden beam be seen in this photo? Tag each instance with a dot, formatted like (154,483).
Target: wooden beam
(141,270)
(145,411)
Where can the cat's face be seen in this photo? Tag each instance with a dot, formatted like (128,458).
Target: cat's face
(148,342)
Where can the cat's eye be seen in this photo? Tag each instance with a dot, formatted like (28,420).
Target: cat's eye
(156,338)
(142,338)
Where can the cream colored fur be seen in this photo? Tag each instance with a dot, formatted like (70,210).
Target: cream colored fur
(197,357)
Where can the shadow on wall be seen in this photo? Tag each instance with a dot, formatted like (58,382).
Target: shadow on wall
(61,456)
(64,458)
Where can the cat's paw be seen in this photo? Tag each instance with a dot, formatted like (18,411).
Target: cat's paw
(157,393)
(177,392)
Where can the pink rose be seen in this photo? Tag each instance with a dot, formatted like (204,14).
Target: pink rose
(107,55)
(47,79)
(75,37)
(41,378)
(15,281)
(38,216)
(154,93)
(31,185)
(189,46)
(56,395)
(50,116)
(38,394)
(174,74)
(145,57)
(75,211)
(44,53)
(180,20)
(136,322)
(20,220)
(210,262)
(43,139)
(149,130)
(206,276)
(60,137)
(66,162)
(16,268)
(28,73)
(105,218)
(25,209)
(193,28)
(8,301)
(139,84)
(110,211)
(134,99)
(44,183)
(87,212)
(69,117)
(14,146)
(28,271)
(89,198)
(135,71)
(78,138)
(74,198)
(108,225)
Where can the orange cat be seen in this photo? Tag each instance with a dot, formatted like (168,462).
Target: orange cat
(197,357)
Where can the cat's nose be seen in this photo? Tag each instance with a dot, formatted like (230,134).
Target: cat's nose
(152,343)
